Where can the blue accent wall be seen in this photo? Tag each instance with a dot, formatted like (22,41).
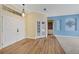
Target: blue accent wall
(60,25)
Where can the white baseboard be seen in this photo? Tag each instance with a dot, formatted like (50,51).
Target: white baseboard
(37,37)
(5,45)
(67,36)
(31,37)
(40,36)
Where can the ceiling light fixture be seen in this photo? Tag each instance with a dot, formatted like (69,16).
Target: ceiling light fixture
(23,10)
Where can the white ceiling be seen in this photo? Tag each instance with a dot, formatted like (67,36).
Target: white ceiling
(52,9)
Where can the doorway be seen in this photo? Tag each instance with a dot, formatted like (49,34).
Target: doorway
(50,27)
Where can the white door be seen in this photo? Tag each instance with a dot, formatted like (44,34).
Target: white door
(41,29)
(13,28)
(9,29)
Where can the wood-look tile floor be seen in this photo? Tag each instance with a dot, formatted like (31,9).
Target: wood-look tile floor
(49,45)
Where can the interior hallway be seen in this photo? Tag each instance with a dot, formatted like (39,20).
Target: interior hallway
(49,45)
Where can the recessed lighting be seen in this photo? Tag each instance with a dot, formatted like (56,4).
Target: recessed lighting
(44,9)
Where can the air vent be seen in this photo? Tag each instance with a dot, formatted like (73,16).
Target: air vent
(11,10)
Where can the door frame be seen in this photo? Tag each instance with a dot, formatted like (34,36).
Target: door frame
(53,25)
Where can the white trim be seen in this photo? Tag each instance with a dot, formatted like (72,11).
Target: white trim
(41,36)
(31,37)
(37,37)
(67,36)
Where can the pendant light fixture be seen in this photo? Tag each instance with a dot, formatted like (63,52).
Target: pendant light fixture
(23,10)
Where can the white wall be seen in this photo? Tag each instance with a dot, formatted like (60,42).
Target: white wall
(31,24)
(11,23)
(69,44)
(1,26)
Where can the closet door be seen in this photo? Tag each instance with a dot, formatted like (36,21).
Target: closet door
(41,29)
(13,28)
(9,29)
